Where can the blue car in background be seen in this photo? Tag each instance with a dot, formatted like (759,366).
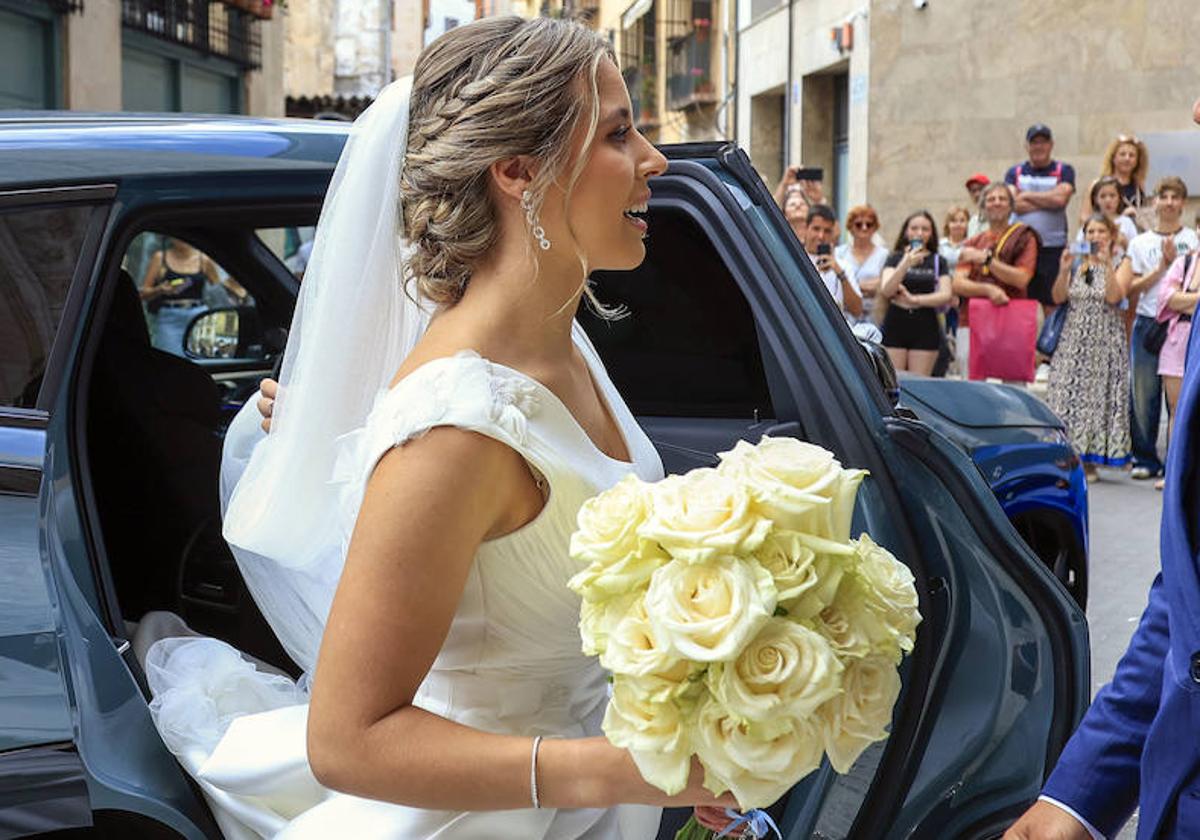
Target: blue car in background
(110,450)
(1021,449)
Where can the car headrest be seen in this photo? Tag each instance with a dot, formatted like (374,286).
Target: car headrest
(126,317)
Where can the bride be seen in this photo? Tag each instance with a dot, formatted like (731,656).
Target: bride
(404,526)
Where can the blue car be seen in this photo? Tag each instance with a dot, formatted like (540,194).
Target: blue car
(111,430)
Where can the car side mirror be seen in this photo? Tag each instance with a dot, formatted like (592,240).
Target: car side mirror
(885,371)
(225,332)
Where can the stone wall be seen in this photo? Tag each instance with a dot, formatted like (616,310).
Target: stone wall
(308,69)
(93,57)
(954,86)
(360,41)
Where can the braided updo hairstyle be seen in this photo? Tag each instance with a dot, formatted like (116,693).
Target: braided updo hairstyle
(489,90)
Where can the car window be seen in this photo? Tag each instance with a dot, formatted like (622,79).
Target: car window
(39,249)
(177,282)
(686,345)
(291,245)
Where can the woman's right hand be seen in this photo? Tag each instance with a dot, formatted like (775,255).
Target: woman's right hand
(268,388)
(916,256)
(627,786)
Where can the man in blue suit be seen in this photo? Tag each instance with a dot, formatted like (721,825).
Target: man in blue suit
(1139,744)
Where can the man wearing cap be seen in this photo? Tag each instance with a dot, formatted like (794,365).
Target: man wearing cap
(977,224)
(1044,188)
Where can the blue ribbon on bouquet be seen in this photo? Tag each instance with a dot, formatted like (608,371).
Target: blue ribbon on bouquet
(757,824)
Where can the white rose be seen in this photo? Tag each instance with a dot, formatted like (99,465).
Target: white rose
(822,577)
(708,612)
(759,764)
(806,569)
(597,621)
(847,636)
(703,514)
(654,733)
(888,590)
(635,650)
(787,670)
(797,485)
(860,715)
(619,560)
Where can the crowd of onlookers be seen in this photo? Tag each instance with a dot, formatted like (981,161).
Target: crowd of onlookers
(1002,291)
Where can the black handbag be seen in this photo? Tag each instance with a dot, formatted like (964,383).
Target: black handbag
(1052,327)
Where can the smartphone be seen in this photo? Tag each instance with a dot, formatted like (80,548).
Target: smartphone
(824,249)
(1079,249)
(916,244)
(809,173)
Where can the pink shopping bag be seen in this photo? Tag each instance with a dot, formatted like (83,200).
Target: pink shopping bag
(1003,339)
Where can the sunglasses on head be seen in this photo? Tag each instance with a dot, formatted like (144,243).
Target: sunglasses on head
(1127,138)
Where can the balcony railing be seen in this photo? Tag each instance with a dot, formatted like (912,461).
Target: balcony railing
(211,28)
(689,70)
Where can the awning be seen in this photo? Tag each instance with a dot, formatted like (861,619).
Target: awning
(639,8)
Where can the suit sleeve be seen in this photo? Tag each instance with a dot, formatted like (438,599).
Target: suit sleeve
(1098,773)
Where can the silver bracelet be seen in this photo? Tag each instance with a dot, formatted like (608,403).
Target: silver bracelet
(533,791)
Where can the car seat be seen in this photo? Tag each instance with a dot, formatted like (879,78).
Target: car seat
(154,439)
(155,453)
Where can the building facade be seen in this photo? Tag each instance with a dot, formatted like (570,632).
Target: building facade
(899,101)
(206,56)
(677,60)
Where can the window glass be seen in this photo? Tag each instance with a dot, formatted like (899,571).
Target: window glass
(291,245)
(177,282)
(688,346)
(38,253)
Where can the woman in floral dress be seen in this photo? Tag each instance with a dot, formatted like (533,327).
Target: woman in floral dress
(1089,378)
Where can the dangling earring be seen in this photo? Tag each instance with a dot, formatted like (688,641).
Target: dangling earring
(539,232)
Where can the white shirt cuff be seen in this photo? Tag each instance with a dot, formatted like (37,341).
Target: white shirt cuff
(1096,835)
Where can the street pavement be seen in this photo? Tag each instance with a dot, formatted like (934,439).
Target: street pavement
(1124,524)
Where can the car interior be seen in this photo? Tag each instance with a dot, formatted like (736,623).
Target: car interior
(154,423)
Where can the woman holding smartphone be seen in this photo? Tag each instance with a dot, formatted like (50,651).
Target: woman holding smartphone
(915,282)
(1089,380)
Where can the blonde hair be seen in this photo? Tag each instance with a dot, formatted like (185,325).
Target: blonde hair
(955,210)
(1143,165)
(486,91)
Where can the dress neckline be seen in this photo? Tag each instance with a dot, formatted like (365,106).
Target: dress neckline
(597,388)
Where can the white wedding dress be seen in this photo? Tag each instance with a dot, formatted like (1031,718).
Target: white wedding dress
(510,664)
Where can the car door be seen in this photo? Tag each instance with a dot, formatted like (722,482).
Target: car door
(65,686)
(730,334)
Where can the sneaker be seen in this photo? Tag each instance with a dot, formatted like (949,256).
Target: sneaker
(1141,473)
(1160,484)
(1043,373)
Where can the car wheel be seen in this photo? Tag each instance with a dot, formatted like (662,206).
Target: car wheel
(1053,541)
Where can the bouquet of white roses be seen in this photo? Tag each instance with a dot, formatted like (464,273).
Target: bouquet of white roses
(740,622)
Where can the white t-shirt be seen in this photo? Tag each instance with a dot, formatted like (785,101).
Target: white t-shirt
(1145,254)
(834,285)
(872,266)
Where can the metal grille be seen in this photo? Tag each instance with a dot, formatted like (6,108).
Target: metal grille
(209,27)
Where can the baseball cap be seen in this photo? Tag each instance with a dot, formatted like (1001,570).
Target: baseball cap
(1038,129)
(978,178)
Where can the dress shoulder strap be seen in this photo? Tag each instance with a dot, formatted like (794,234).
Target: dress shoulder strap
(464,390)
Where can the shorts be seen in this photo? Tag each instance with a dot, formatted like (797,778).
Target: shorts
(1041,285)
(912,329)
